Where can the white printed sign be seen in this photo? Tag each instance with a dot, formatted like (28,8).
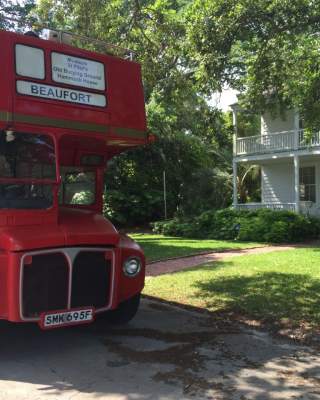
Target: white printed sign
(77,71)
(60,94)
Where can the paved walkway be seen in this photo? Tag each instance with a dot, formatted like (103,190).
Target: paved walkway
(163,267)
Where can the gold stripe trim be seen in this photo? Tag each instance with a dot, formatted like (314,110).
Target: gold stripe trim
(59,123)
(62,123)
(130,132)
(5,116)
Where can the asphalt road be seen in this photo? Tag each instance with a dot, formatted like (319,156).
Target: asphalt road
(166,353)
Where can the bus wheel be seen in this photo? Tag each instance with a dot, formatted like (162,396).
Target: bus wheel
(125,311)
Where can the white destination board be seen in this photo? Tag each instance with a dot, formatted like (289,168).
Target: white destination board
(60,94)
(77,71)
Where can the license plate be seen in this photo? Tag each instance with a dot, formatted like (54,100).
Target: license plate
(57,319)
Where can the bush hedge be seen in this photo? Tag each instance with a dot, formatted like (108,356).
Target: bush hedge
(260,226)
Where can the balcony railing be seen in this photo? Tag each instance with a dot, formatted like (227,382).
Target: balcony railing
(271,206)
(276,142)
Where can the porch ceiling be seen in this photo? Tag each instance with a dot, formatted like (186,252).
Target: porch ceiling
(283,158)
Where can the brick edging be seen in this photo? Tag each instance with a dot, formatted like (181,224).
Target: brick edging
(204,253)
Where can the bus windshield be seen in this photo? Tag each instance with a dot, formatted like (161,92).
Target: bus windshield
(78,186)
(27,170)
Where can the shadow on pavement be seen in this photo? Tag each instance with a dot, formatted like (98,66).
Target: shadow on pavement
(165,353)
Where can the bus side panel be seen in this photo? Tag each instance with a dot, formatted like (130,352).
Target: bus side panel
(125,94)
(128,286)
(3,285)
(13,284)
(5,83)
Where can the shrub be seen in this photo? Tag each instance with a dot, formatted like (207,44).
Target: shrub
(173,227)
(278,233)
(260,225)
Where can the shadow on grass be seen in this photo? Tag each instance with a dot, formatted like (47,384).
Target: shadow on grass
(267,296)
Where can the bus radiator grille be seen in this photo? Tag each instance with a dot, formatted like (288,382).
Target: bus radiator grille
(91,279)
(45,284)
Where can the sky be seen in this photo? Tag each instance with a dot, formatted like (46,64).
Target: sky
(224,99)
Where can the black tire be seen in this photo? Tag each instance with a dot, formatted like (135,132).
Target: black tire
(125,311)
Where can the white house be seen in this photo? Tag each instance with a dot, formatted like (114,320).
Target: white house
(290,163)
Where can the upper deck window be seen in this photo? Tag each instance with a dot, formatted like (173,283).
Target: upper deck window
(25,155)
(77,71)
(30,61)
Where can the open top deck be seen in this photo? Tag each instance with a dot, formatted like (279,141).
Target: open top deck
(71,91)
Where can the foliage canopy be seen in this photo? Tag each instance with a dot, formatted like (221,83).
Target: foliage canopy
(15,10)
(268,49)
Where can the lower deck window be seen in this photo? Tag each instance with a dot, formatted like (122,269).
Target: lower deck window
(25,196)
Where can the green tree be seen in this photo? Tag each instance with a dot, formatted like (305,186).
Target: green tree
(16,10)
(268,49)
(135,181)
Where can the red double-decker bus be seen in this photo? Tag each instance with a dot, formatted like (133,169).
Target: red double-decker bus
(64,112)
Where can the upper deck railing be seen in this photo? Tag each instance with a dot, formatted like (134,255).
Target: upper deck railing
(276,142)
(73,39)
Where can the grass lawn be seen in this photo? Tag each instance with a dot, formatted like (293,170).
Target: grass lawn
(159,247)
(278,286)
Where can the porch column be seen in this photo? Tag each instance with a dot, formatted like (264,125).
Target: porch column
(235,130)
(296,162)
(296,129)
(235,183)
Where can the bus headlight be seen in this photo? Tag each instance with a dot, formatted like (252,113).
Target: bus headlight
(132,266)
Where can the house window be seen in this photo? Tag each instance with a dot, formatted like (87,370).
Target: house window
(308,184)
(301,123)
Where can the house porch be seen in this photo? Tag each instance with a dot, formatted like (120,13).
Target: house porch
(289,182)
